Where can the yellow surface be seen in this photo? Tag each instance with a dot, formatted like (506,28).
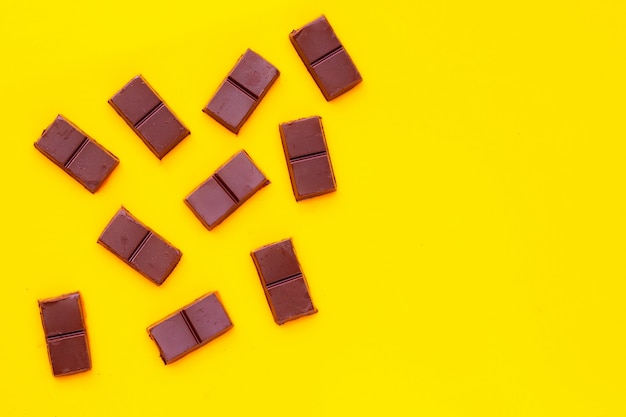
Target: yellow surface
(471,262)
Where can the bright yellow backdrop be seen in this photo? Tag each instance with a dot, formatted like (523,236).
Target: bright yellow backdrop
(471,262)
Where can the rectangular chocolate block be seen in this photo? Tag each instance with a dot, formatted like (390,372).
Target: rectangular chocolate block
(283,282)
(66,335)
(309,165)
(191,327)
(76,153)
(140,247)
(242,91)
(325,58)
(226,190)
(148,115)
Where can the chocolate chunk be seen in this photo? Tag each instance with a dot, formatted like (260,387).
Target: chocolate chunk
(307,157)
(190,327)
(325,58)
(146,113)
(66,335)
(242,91)
(284,284)
(76,153)
(226,190)
(140,247)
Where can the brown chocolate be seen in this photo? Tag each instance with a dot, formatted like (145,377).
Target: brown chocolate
(226,190)
(140,247)
(283,282)
(76,153)
(325,58)
(151,119)
(242,91)
(190,327)
(308,161)
(66,335)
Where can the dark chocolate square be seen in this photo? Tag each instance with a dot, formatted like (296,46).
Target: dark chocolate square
(173,337)
(208,318)
(325,58)
(313,176)
(241,176)
(236,180)
(290,300)
(69,354)
(190,327)
(77,154)
(140,247)
(303,137)
(254,73)
(336,74)
(61,315)
(123,234)
(276,261)
(60,140)
(92,165)
(162,131)
(241,91)
(156,259)
(135,100)
(149,117)
(230,106)
(210,203)
(316,40)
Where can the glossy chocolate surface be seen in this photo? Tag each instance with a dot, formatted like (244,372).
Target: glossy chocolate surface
(140,247)
(325,58)
(283,282)
(226,190)
(65,332)
(76,153)
(308,162)
(242,91)
(149,117)
(190,327)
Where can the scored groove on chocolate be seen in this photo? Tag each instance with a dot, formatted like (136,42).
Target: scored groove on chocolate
(75,154)
(191,328)
(242,89)
(283,280)
(139,247)
(147,116)
(327,56)
(225,187)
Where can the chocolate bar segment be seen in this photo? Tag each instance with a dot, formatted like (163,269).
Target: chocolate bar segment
(76,153)
(242,91)
(66,335)
(140,247)
(283,282)
(309,165)
(151,119)
(325,58)
(190,327)
(226,190)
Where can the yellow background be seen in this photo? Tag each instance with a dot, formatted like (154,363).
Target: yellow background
(471,262)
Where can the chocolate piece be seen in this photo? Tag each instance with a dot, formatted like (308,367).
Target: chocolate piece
(140,247)
(307,157)
(66,336)
(146,113)
(284,284)
(83,158)
(190,327)
(325,58)
(226,190)
(242,91)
